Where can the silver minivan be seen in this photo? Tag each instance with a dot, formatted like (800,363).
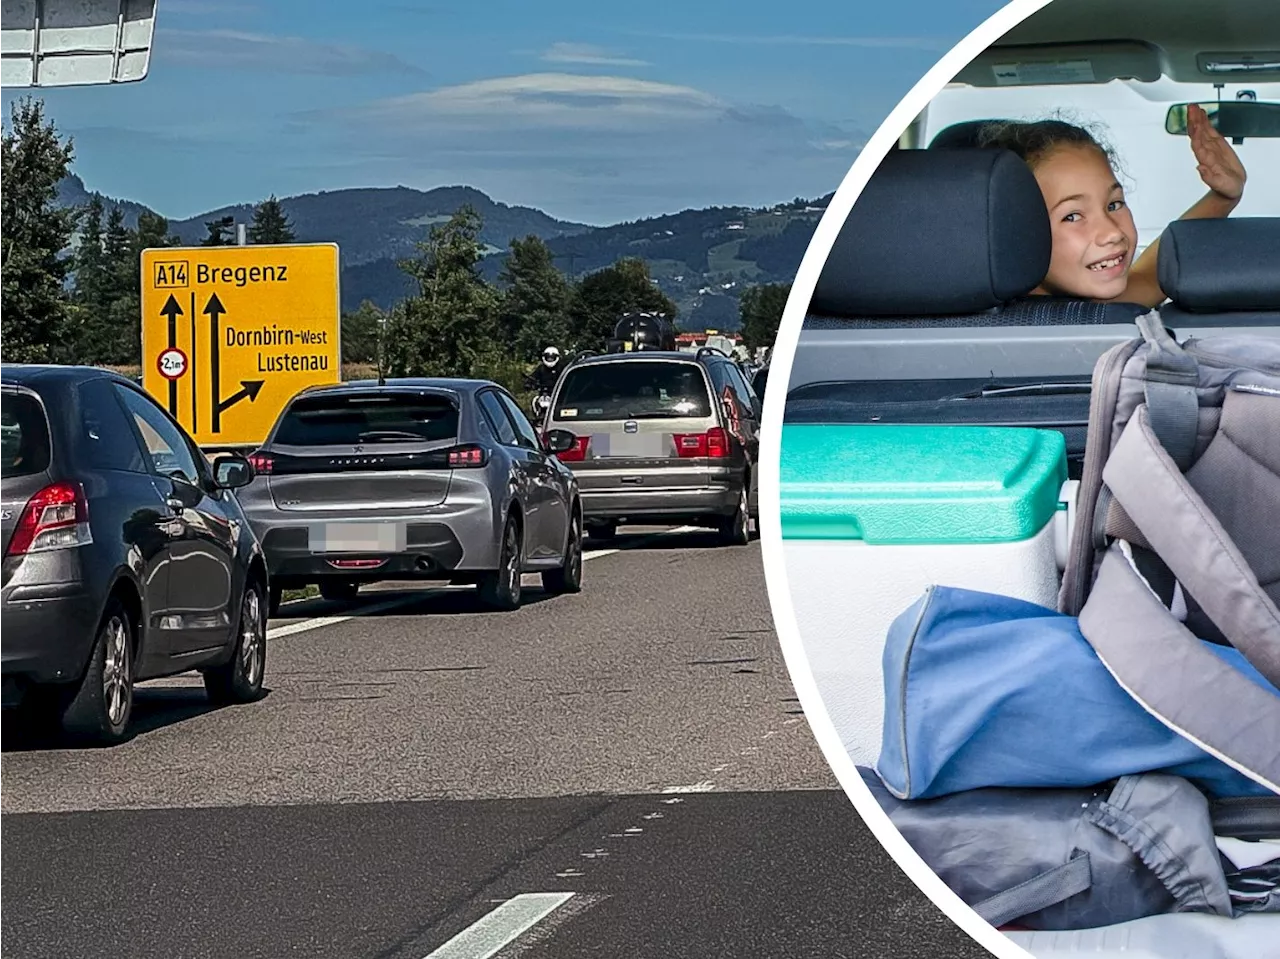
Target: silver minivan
(661,438)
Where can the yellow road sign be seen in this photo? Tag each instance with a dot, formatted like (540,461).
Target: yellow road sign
(231,333)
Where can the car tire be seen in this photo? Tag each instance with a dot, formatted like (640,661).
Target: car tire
(500,589)
(568,578)
(100,709)
(339,591)
(239,680)
(605,532)
(735,530)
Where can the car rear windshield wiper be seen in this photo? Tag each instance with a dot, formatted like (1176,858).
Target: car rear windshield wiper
(1023,389)
(373,436)
(661,414)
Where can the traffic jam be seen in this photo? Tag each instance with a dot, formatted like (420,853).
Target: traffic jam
(139,545)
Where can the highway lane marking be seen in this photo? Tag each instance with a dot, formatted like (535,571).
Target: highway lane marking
(491,933)
(306,625)
(597,553)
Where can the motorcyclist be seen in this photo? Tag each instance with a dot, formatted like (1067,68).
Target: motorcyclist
(543,378)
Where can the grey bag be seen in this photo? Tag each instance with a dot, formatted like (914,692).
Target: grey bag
(1178,536)
(1081,858)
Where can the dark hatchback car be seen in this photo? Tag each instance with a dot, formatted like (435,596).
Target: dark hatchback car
(126,555)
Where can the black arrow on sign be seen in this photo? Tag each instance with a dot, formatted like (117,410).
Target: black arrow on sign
(172,310)
(248,389)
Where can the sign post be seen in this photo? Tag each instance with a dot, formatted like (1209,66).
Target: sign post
(231,333)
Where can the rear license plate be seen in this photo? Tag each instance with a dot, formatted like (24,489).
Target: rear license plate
(633,445)
(357,538)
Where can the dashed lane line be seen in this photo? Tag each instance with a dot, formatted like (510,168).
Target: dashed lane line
(493,932)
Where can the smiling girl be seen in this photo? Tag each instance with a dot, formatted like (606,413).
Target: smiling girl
(1094,237)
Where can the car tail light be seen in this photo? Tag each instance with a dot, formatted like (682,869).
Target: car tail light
(577,452)
(468,457)
(261,462)
(57,517)
(713,444)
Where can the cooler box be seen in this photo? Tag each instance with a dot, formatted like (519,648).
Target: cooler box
(872,515)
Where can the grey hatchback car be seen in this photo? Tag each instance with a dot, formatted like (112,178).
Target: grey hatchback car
(126,555)
(659,438)
(435,479)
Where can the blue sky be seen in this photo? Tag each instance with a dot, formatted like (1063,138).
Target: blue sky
(592,111)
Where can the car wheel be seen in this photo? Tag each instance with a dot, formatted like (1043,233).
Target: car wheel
(568,578)
(239,680)
(99,710)
(736,529)
(500,588)
(274,598)
(605,532)
(338,591)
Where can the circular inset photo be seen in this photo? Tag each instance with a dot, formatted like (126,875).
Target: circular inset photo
(1023,536)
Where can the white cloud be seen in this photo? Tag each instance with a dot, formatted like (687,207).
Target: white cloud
(588,54)
(548,99)
(904,43)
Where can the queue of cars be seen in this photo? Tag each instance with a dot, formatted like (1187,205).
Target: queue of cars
(129,555)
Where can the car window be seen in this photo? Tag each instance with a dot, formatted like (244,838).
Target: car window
(738,383)
(106,441)
(528,435)
(499,422)
(164,443)
(633,389)
(351,419)
(24,434)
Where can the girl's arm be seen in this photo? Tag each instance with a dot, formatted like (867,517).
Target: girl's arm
(1222,172)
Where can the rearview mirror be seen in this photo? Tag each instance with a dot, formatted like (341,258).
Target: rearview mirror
(558,441)
(1234,119)
(232,471)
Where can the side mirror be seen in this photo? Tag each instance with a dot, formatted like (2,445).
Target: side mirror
(232,471)
(558,441)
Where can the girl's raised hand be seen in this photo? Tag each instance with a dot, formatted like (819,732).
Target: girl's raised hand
(1216,162)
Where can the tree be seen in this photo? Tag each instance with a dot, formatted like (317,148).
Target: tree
(602,298)
(761,309)
(360,333)
(448,329)
(221,232)
(534,311)
(270,224)
(34,232)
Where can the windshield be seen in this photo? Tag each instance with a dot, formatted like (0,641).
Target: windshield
(1157,169)
(633,390)
(350,420)
(24,435)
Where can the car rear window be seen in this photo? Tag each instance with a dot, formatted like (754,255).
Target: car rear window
(362,418)
(633,390)
(24,434)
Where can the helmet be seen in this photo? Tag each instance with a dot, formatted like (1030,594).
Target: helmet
(551,356)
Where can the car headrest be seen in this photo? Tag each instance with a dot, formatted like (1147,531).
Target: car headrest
(1220,266)
(938,232)
(965,134)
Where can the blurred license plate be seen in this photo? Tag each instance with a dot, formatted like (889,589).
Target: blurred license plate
(636,445)
(357,538)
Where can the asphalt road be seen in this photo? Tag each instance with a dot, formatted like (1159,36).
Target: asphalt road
(621,773)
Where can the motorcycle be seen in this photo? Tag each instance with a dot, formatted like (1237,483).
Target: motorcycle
(541,404)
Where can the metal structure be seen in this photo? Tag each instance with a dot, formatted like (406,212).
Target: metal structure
(61,43)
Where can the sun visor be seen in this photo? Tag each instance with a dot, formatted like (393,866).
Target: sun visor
(1074,63)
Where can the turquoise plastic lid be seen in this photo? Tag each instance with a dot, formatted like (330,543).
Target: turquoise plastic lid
(919,485)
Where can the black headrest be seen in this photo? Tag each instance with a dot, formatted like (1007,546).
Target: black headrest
(964,134)
(945,231)
(1218,266)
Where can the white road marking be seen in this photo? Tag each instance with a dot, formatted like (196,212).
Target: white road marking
(306,625)
(292,629)
(485,937)
(705,786)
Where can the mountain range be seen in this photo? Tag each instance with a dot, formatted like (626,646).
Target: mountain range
(701,258)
